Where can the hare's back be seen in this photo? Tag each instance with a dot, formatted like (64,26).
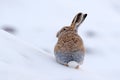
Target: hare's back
(69,42)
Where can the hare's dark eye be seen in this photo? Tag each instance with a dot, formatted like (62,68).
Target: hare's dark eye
(64,29)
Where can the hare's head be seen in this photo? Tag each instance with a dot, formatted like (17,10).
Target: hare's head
(77,20)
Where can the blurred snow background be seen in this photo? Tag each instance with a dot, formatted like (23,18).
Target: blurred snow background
(27,52)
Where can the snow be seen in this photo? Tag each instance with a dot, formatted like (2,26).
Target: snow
(28,53)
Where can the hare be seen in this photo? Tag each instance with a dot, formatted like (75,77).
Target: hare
(69,50)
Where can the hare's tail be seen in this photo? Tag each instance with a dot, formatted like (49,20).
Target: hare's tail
(73,64)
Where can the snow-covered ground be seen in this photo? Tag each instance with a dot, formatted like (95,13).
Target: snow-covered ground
(27,54)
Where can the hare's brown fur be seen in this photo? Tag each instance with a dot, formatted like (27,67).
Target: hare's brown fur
(69,41)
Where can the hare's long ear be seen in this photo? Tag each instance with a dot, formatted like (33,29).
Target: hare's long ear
(77,20)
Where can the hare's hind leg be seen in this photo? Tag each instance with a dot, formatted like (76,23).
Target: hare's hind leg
(77,67)
(78,57)
(61,58)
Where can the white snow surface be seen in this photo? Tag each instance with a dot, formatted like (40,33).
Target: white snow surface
(29,53)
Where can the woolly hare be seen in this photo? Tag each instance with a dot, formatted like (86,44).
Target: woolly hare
(69,49)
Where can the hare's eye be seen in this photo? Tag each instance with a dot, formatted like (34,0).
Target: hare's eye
(64,29)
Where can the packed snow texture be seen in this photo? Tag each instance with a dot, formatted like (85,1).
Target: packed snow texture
(26,49)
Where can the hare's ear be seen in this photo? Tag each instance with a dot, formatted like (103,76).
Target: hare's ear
(77,20)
